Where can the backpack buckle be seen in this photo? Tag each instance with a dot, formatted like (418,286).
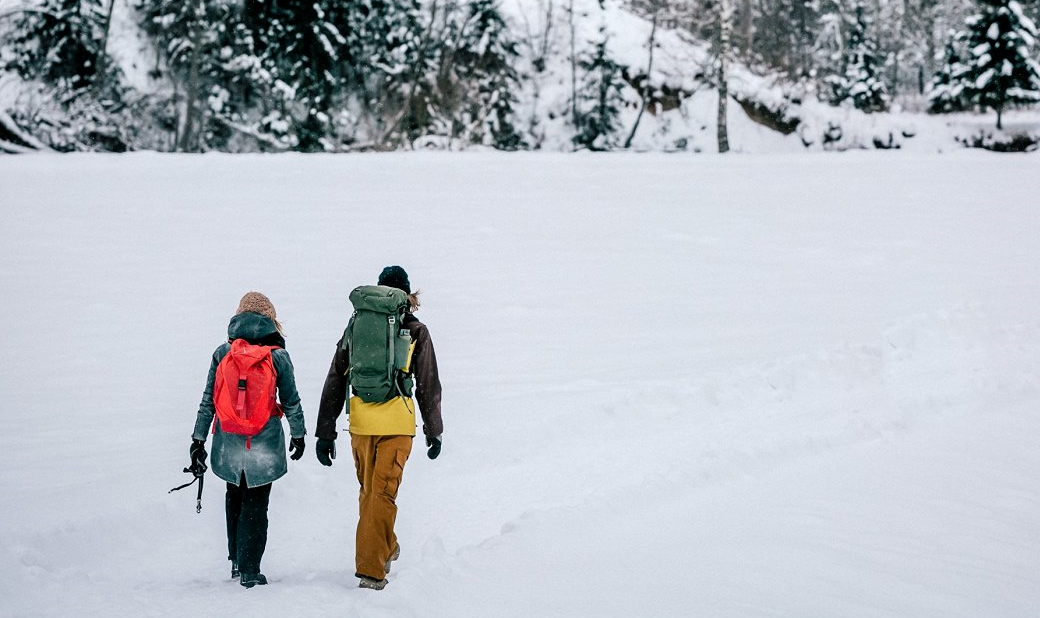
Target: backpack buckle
(241,384)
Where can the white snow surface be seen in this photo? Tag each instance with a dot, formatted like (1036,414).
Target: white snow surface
(673,385)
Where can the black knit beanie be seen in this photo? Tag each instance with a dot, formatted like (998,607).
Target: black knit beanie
(395,277)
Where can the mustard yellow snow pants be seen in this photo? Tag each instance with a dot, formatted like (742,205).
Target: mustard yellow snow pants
(379,461)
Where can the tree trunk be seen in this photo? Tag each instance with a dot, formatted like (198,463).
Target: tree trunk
(192,86)
(101,60)
(649,69)
(747,27)
(725,23)
(574,67)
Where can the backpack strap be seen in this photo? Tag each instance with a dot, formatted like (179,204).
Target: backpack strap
(240,402)
(391,335)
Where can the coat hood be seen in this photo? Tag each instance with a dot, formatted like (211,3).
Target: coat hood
(254,328)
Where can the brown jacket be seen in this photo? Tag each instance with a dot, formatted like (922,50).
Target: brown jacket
(427,384)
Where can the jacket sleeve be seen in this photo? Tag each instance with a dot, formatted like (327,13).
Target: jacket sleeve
(428,382)
(334,394)
(288,396)
(204,420)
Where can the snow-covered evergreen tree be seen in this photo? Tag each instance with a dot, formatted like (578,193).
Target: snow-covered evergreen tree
(59,41)
(860,81)
(78,102)
(480,56)
(388,67)
(599,99)
(262,69)
(192,36)
(946,91)
(303,50)
(999,69)
(785,35)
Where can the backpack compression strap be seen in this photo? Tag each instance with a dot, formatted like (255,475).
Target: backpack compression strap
(391,334)
(240,402)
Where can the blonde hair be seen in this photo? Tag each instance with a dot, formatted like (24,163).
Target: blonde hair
(413,301)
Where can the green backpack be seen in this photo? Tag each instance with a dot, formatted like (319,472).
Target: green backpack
(379,346)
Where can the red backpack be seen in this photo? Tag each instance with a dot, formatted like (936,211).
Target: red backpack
(244,389)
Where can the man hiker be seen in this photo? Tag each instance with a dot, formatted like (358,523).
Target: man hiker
(384,357)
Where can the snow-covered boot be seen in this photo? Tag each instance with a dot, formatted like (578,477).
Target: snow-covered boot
(253,579)
(234,570)
(394,556)
(371,583)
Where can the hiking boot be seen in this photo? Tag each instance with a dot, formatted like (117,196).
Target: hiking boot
(394,556)
(371,583)
(253,579)
(234,570)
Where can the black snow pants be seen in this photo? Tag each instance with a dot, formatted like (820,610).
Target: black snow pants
(246,509)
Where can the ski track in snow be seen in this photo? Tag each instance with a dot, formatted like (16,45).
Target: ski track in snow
(669,390)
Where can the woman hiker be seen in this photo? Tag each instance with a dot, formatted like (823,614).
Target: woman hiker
(381,414)
(248,441)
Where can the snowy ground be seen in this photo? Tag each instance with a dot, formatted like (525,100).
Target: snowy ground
(674,386)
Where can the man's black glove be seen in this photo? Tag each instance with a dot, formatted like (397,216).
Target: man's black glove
(435,446)
(296,448)
(198,458)
(326,451)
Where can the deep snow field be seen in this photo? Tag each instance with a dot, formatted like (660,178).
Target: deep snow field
(793,386)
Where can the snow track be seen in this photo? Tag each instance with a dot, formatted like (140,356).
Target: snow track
(714,386)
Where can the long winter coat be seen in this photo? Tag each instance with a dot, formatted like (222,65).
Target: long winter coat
(264,461)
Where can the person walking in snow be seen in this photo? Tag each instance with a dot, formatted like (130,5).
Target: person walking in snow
(384,356)
(248,441)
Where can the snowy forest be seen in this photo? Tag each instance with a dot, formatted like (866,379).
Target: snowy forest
(375,75)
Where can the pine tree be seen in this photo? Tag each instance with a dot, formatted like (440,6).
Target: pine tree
(481,95)
(197,39)
(388,66)
(785,35)
(303,50)
(945,91)
(601,90)
(59,42)
(860,80)
(999,70)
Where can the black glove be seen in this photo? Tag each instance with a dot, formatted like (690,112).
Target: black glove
(326,451)
(435,446)
(198,458)
(296,448)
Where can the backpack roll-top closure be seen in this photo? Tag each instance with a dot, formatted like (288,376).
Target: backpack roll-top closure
(379,298)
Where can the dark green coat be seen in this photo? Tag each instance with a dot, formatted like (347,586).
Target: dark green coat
(264,461)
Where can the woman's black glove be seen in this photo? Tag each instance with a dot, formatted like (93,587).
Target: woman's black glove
(296,448)
(435,446)
(325,451)
(198,458)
